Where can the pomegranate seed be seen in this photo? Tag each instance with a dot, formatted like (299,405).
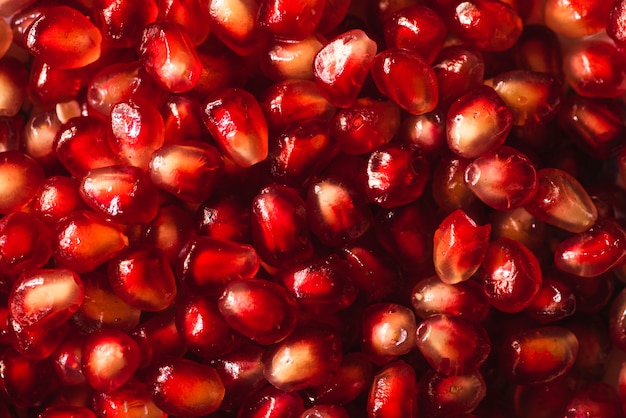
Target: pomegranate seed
(109,358)
(592,252)
(388,331)
(447,396)
(36,343)
(309,356)
(418,28)
(272,402)
(102,308)
(458,69)
(459,247)
(63,38)
(170,57)
(449,189)
(617,320)
(190,170)
(13,79)
(67,359)
(120,21)
(290,60)
(183,387)
(190,14)
(615,24)
(224,218)
(241,372)
(393,391)
(406,78)
(237,124)
(39,138)
(234,23)
(291,101)
(333,14)
(595,398)
(131,399)
(182,118)
(337,213)
(300,152)
(260,310)
(65,411)
(203,328)
(555,300)
(279,227)
(396,175)
(544,399)
(121,193)
(511,275)
(206,264)
(503,178)
(143,278)
(477,122)
(576,19)
(533,98)
(158,337)
(519,225)
(539,50)
(431,296)
(138,131)
(25,243)
(594,346)
(20,179)
(25,382)
(340,68)
(538,355)
(290,20)
(83,241)
(169,231)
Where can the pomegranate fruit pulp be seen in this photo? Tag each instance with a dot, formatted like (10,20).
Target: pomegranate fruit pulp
(313,208)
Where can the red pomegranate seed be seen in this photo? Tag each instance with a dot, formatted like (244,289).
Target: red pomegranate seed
(64,38)
(503,178)
(325,411)
(333,14)
(300,152)
(62,411)
(190,14)
(224,218)
(120,82)
(158,337)
(110,357)
(418,28)
(121,193)
(182,117)
(511,275)
(393,391)
(206,264)
(13,80)
(45,298)
(519,225)
(20,179)
(260,310)
(220,67)
(290,20)
(555,300)
(102,308)
(36,343)
(25,243)
(190,170)
(203,328)
(458,69)
(142,277)
(309,356)
(292,101)
(577,18)
(340,68)
(396,175)
(337,213)
(539,50)
(544,399)
(594,346)
(617,320)
(138,131)
(594,125)
(477,122)
(121,21)
(452,345)
(388,331)
(431,296)
(538,355)
(616,23)
(82,144)
(237,124)
(592,295)
(39,138)
(67,359)
(406,78)
(592,252)
(131,399)
(241,372)
(562,201)
(449,189)
(365,126)
(83,241)
(279,227)
(595,398)
(290,60)
(234,23)
(170,57)
(459,247)
(183,387)
(170,230)
(447,396)
(272,402)
(25,382)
